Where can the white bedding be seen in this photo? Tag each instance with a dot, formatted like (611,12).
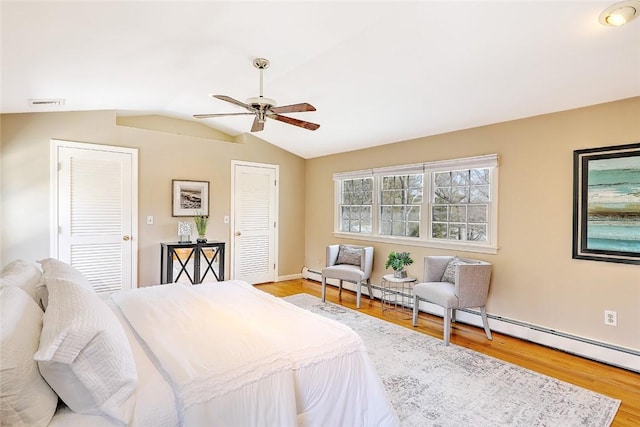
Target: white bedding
(193,346)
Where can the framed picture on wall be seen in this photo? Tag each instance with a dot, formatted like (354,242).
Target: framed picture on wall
(606,214)
(190,198)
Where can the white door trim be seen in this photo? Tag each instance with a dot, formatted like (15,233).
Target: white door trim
(232,228)
(53,196)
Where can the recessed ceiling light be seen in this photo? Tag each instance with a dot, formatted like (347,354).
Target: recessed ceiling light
(46,102)
(620,13)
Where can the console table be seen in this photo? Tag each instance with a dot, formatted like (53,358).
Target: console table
(193,261)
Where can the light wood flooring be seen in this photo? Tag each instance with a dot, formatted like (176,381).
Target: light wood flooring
(610,381)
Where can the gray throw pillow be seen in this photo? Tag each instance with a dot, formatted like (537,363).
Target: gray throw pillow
(349,255)
(450,272)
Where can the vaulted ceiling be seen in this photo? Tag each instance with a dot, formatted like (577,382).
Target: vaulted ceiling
(377,72)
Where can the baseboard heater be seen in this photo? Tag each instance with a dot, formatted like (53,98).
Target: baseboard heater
(610,354)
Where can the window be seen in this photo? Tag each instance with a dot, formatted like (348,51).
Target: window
(446,204)
(355,205)
(400,205)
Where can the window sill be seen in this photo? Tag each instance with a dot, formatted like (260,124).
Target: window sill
(451,245)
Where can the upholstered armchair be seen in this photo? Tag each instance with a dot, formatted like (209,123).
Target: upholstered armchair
(454,283)
(349,263)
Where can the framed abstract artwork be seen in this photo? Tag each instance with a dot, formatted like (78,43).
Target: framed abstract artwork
(606,213)
(190,198)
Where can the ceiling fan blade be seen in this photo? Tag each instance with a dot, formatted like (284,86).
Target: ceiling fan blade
(295,122)
(258,125)
(294,108)
(207,116)
(233,101)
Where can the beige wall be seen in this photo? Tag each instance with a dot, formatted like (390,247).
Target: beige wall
(535,279)
(163,156)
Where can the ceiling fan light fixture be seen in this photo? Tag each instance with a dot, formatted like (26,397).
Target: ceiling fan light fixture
(261,101)
(620,13)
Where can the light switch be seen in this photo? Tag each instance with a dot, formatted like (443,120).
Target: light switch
(226,219)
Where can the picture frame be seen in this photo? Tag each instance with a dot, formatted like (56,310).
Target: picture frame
(606,213)
(189,198)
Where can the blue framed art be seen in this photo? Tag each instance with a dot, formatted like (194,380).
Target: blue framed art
(606,214)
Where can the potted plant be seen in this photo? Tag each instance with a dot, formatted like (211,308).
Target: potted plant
(397,261)
(201,226)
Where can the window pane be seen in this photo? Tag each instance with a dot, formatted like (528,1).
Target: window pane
(457,232)
(344,212)
(479,194)
(346,198)
(459,195)
(480,176)
(354,226)
(344,225)
(413,229)
(415,196)
(478,213)
(439,231)
(398,229)
(413,213)
(442,178)
(458,214)
(442,195)
(460,177)
(440,213)
(385,228)
(365,227)
(477,233)
(387,197)
(398,213)
(347,186)
(415,181)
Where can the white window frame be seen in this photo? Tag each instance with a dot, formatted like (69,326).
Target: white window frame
(427,168)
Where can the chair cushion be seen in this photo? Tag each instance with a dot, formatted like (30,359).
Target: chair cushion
(349,255)
(347,272)
(25,397)
(440,293)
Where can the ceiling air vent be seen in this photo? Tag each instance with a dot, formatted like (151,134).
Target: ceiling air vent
(46,102)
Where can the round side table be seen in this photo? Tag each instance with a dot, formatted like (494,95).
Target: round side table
(397,293)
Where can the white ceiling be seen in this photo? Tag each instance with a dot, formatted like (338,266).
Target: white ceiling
(377,72)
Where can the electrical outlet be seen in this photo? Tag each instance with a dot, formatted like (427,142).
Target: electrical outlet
(226,219)
(610,318)
(150,220)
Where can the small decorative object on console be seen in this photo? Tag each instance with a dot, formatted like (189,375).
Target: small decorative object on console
(201,225)
(184,231)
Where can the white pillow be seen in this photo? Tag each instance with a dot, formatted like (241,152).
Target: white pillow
(53,268)
(25,397)
(23,274)
(84,353)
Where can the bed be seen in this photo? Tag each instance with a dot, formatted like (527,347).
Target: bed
(169,355)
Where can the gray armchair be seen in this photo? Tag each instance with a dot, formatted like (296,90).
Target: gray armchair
(348,263)
(466,286)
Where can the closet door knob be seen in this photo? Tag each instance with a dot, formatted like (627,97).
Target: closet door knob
(125,237)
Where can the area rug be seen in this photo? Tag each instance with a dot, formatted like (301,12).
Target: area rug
(430,384)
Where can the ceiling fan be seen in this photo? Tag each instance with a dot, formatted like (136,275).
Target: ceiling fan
(263,107)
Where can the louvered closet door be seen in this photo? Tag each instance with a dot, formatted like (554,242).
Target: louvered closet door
(254,222)
(95,214)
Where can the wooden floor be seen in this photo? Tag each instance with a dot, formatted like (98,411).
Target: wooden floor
(610,381)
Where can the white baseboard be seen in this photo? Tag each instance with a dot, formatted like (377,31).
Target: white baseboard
(595,350)
(288,277)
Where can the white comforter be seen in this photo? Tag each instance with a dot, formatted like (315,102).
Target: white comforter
(236,356)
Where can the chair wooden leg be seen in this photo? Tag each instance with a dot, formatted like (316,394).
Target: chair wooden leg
(340,288)
(324,288)
(416,302)
(485,322)
(447,325)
